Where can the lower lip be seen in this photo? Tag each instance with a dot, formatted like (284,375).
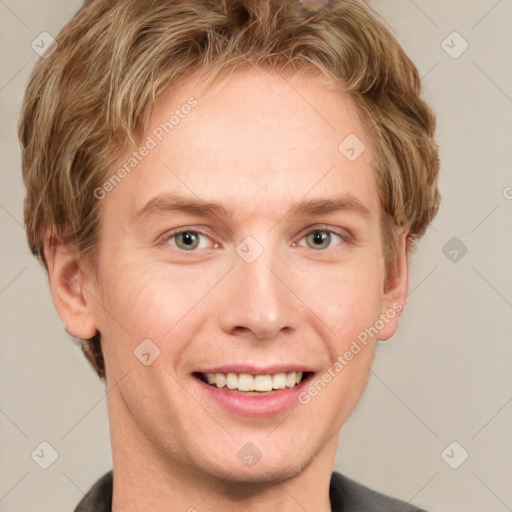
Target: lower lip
(254,406)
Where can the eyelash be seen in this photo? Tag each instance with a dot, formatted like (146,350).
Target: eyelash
(345,238)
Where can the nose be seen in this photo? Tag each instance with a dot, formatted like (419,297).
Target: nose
(258,301)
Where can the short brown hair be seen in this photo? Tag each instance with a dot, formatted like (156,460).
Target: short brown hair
(90,99)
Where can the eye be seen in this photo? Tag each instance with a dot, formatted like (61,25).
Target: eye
(319,239)
(186,240)
(189,240)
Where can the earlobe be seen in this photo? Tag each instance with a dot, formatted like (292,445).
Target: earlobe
(396,289)
(67,283)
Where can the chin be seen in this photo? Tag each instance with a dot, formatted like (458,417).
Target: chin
(262,473)
(262,476)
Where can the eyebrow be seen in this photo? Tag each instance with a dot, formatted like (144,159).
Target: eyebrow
(177,203)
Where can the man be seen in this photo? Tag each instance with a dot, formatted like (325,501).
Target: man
(225,195)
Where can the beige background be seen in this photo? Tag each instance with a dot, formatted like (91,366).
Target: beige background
(444,377)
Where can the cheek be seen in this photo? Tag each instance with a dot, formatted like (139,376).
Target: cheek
(346,298)
(153,301)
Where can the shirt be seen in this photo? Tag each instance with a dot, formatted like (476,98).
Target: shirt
(345,494)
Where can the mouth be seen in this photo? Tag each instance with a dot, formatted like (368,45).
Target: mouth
(250,384)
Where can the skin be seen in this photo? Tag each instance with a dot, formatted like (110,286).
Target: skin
(258,144)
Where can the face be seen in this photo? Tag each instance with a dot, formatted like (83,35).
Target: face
(244,248)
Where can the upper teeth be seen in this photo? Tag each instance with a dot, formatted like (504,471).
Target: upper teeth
(247,382)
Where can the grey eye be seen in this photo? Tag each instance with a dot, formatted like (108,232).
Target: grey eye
(187,240)
(319,239)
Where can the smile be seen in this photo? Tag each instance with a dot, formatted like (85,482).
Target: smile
(248,383)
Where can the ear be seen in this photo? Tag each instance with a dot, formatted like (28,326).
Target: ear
(68,279)
(395,289)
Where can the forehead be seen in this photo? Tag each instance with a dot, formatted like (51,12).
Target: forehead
(254,142)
